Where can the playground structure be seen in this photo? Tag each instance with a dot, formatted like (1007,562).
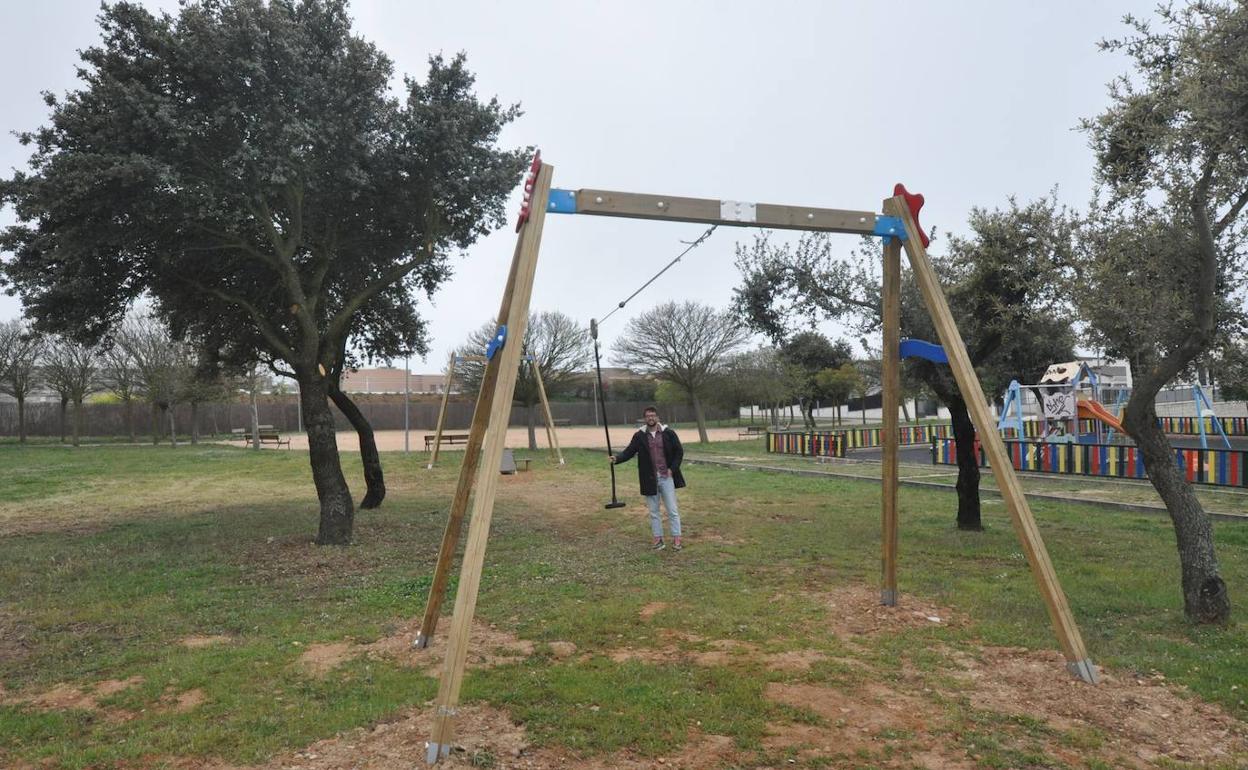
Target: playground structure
(898,226)
(1202,405)
(1069,406)
(551,437)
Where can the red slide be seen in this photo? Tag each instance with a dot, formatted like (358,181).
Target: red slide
(1097,411)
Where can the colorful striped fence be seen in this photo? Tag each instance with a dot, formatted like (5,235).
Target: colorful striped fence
(1217,467)
(1187,426)
(1034,428)
(1177,426)
(864,438)
(806,443)
(834,443)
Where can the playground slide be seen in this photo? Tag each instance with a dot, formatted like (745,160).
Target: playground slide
(1097,411)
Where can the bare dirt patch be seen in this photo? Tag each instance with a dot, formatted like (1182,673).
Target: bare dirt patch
(721,652)
(859,722)
(1144,719)
(321,658)
(487,646)
(855,610)
(185,701)
(562,649)
(485,737)
(652,609)
(66,696)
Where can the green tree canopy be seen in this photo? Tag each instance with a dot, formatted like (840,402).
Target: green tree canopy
(248,165)
(1161,271)
(1002,282)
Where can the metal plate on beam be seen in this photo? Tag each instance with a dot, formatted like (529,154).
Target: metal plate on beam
(737,211)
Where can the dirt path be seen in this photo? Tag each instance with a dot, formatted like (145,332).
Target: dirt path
(517,438)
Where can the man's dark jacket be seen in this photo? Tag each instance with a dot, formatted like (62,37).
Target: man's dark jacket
(673,453)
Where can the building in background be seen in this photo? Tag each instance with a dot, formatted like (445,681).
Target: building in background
(390,380)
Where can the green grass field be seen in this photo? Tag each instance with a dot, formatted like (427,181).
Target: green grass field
(115,558)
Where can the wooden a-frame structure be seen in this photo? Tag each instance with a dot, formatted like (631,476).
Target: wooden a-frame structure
(898,225)
(552,438)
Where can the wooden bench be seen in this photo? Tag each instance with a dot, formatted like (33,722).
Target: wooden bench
(447,438)
(752,431)
(267,436)
(273,437)
(245,433)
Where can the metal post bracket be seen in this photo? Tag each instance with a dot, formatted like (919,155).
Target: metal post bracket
(562,201)
(496,344)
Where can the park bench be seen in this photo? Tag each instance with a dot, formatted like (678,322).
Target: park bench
(245,433)
(273,437)
(447,438)
(561,422)
(752,431)
(268,435)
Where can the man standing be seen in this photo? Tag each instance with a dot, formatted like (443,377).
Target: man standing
(659,454)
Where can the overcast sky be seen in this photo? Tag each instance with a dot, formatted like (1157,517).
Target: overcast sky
(813,103)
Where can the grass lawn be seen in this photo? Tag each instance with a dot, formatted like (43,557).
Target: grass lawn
(158,608)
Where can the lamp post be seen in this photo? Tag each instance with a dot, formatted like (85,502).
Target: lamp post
(407,398)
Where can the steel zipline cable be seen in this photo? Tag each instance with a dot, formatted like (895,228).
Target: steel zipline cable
(692,245)
(593,332)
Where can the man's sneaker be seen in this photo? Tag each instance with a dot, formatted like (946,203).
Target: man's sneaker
(676,546)
(658,545)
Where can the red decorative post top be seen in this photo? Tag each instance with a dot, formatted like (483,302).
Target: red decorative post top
(914,202)
(529,181)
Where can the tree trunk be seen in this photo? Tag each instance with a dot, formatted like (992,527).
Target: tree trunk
(374,479)
(905,411)
(194,422)
(337,510)
(21,419)
(155,424)
(64,410)
(173,430)
(697,413)
(1205,596)
(968,466)
(129,411)
(532,415)
(862,402)
(255,422)
(77,429)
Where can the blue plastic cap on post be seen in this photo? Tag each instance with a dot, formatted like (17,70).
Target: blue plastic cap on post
(562,201)
(890,227)
(500,337)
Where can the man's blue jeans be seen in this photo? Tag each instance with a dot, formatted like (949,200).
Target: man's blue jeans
(667,491)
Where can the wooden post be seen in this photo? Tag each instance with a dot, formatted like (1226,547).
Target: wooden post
(891,360)
(446,395)
(467,473)
(1064,625)
(551,437)
(506,363)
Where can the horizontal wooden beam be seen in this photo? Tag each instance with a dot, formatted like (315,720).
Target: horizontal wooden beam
(712,211)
